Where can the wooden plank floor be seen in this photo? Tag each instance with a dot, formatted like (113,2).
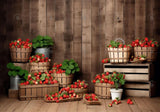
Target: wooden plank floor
(140,105)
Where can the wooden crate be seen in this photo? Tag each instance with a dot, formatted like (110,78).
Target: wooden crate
(39,67)
(24,66)
(133,72)
(140,89)
(13,93)
(34,92)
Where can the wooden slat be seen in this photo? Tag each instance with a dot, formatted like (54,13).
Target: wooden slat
(137,86)
(140,14)
(129,20)
(34,30)
(136,77)
(59,30)
(77,32)
(109,22)
(68,29)
(137,93)
(118,19)
(42,17)
(127,70)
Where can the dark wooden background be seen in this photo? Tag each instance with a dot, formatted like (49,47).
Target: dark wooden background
(80,28)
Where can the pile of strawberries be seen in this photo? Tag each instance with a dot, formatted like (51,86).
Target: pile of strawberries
(106,60)
(38,58)
(103,78)
(144,43)
(91,97)
(79,84)
(56,69)
(20,44)
(64,93)
(40,78)
(117,101)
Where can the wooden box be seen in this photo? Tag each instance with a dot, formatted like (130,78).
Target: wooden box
(13,93)
(133,72)
(39,67)
(140,89)
(34,92)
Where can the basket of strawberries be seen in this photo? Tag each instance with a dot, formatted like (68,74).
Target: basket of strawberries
(91,99)
(20,50)
(39,63)
(64,72)
(79,87)
(64,95)
(118,52)
(37,85)
(145,47)
(104,82)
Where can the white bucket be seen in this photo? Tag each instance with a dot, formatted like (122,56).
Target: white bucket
(116,93)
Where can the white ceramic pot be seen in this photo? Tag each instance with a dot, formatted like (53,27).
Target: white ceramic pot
(116,93)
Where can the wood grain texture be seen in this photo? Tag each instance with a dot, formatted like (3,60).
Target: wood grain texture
(81,29)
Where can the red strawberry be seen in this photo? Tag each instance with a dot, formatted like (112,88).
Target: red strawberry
(110,105)
(130,102)
(94,81)
(146,39)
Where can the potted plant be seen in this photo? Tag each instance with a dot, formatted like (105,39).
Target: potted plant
(118,79)
(16,75)
(20,50)
(42,45)
(64,72)
(145,47)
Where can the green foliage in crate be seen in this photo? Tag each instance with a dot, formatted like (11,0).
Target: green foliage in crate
(70,66)
(16,70)
(42,42)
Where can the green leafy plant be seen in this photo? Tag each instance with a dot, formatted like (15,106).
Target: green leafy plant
(70,66)
(42,41)
(16,70)
(117,78)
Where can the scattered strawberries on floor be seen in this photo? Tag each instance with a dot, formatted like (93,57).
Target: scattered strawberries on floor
(110,105)
(129,101)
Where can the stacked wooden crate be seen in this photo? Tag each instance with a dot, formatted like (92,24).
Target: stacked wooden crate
(139,78)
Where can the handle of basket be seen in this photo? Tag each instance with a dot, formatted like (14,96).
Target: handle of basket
(120,40)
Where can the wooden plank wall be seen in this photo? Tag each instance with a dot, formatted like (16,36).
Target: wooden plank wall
(80,28)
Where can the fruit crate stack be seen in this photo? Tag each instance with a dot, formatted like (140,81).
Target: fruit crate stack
(139,78)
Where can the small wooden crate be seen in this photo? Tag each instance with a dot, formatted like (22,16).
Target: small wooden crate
(102,90)
(20,54)
(91,102)
(119,55)
(13,93)
(24,66)
(64,80)
(133,72)
(149,52)
(140,89)
(39,67)
(36,92)
(80,91)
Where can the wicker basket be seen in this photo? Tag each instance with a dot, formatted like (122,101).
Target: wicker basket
(119,55)
(39,67)
(102,90)
(64,100)
(64,80)
(91,102)
(149,52)
(34,92)
(80,91)
(20,54)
